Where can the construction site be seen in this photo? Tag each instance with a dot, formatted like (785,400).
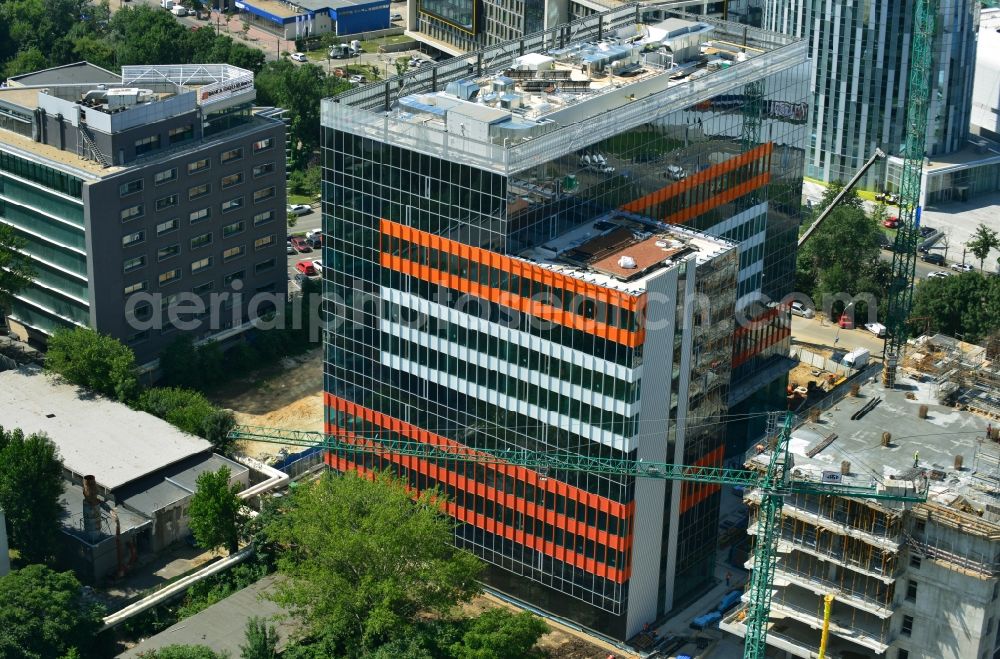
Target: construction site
(863,578)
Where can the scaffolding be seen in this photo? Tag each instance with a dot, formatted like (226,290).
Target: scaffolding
(965,374)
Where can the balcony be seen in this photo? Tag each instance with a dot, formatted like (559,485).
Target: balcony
(795,637)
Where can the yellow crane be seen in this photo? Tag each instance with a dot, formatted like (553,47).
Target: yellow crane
(827,605)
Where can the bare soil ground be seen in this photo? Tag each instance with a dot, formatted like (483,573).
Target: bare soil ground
(288,395)
(561,642)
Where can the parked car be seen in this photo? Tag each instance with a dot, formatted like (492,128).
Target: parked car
(315,241)
(318,266)
(291,248)
(961,267)
(300,279)
(799,309)
(940,274)
(878,329)
(395,16)
(178,10)
(891,223)
(676,172)
(306,268)
(936,259)
(300,245)
(846,322)
(299,209)
(356,79)
(299,57)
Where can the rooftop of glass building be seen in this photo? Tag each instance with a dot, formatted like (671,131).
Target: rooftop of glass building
(623,251)
(522,102)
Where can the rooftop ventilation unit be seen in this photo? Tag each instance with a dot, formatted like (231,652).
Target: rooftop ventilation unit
(466,90)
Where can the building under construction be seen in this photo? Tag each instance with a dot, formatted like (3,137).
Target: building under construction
(908,581)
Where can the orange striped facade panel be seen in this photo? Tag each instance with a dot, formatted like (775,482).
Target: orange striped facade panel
(779,335)
(624,512)
(518,268)
(514,535)
(694,493)
(715,201)
(677,188)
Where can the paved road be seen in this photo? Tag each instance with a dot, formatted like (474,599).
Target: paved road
(822,333)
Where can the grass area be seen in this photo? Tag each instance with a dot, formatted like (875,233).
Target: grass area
(867,195)
(372,45)
(299,199)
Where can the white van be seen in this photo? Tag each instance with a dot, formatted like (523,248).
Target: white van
(856,358)
(179,10)
(167,4)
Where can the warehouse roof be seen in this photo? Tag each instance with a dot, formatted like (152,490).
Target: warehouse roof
(94,435)
(75,73)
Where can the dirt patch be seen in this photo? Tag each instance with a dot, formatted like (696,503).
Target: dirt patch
(803,373)
(561,642)
(288,395)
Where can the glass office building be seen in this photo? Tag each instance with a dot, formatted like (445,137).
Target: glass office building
(548,246)
(861,53)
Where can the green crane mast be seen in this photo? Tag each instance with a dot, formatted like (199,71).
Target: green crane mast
(904,258)
(774,484)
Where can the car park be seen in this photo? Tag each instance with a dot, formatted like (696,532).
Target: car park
(878,329)
(306,267)
(936,259)
(299,57)
(799,309)
(961,267)
(299,209)
(891,223)
(940,274)
(301,245)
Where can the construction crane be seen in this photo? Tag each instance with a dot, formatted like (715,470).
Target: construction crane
(825,636)
(904,254)
(774,484)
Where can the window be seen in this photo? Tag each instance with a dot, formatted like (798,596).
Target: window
(166,202)
(263,145)
(135,288)
(231,156)
(199,215)
(911,590)
(263,218)
(232,179)
(233,229)
(907,627)
(132,212)
(147,144)
(167,227)
(142,311)
(261,195)
(232,204)
(903,654)
(130,188)
(232,253)
(261,243)
(198,166)
(167,175)
(203,288)
(170,276)
(915,561)
(920,526)
(235,276)
(263,265)
(180,133)
(261,170)
(201,240)
(138,337)
(168,252)
(199,191)
(201,264)
(133,238)
(134,263)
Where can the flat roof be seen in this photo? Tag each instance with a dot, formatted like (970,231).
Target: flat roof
(275,7)
(67,74)
(72,522)
(316,5)
(622,250)
(936,440)
(67,161)
(95,436)
(222,626)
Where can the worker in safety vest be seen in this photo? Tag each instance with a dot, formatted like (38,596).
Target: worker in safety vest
(916,458)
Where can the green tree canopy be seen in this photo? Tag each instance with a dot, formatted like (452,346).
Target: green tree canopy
(262,640)
(191,412)
(30,487)
(364,560)
(15,267)
(983,242)
(966,304)
(216,517)
(94,361)
(45,614)
(500,634)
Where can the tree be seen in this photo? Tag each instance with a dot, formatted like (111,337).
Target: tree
(144,35)
(30,487)
(500,634)
(15,267)
(45,614)
(183,652)
(191,412)
(880,214)
(983,241)
(262,640)
(216,517)
(179,363)
(94,361)
(966,304)
(364,560)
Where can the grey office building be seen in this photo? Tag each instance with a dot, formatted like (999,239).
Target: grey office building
(861,54)
(130,190)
